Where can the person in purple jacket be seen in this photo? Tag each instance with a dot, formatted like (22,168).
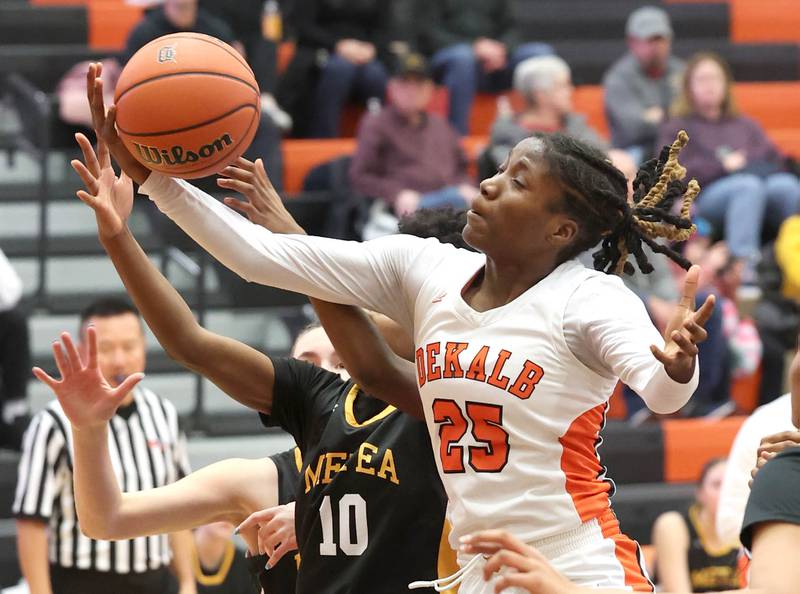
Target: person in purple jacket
(745,184)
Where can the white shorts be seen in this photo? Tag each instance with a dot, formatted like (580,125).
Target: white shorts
(596,554)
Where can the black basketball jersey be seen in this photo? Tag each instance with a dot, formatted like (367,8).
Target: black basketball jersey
(281,578)
(370,508)
(709,570)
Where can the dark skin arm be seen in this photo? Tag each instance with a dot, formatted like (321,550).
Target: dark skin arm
(359,342)
(244,373)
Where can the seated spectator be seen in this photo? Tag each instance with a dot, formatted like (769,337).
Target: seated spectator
(341,51)
(640,86)
(545,85)
(407,157)
(472,44)
(689,554)
(777,313)
(220,568)
(15,359)
(742,175)
(174,16)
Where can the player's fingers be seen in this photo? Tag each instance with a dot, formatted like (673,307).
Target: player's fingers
(686,345)
(236,185)
(502,559)
(89,180)
(260,517)
(278,554)
(244,163)
(128,384)
(782,436)
(234,172)
(776,447)
(109,131)
(695,331)
(91,337)
(660,355)
(690,288)
(262,174)
(87,198)
(102,153)
(62,363)
(236,204)
(72,352)
(702,315)
(499,538)
(40,374)
(521,581)
(89,156)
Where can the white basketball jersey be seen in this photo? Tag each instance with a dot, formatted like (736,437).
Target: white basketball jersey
(514,417)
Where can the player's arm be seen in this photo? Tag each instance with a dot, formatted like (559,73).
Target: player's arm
(242,372)
(182,545)
(359,343)
(225,491)
(671,540)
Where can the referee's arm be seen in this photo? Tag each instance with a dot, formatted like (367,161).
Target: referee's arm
(43,445)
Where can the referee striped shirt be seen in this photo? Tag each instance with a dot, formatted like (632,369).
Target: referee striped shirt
(147,450)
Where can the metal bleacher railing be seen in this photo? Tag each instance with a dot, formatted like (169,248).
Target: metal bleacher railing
(37,111)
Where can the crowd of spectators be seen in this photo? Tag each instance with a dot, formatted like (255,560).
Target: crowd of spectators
(419,83)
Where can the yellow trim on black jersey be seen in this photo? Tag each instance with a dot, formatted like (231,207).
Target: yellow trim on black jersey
(694,518)
(217,578)
(350,417)
(298,459)
(447,564)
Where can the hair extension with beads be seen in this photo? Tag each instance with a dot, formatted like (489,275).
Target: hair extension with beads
(596,195)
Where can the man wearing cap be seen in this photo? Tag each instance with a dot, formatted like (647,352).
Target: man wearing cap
(641,85)
(407,157)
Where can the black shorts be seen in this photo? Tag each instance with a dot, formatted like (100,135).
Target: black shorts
(84,581)
(775,495)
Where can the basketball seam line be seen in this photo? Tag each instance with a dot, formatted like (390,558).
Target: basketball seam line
(192,127)
(171,74)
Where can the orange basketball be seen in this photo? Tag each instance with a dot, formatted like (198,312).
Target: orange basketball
(187,105)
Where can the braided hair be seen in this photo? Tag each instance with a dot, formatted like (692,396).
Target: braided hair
(596,195)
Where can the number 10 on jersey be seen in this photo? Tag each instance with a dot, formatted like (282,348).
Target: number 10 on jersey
(487,429)
(351,542)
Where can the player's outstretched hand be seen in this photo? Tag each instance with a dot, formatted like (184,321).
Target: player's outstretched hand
(104,124)
(276,532)
(110,197)
(263,205)
(87,398)
(685,331)
(517,564)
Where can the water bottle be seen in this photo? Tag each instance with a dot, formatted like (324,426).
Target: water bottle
(271,22)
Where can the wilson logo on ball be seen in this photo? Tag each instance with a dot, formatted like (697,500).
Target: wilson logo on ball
(178,155)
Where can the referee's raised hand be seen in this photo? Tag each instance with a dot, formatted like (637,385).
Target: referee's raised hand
(87,398)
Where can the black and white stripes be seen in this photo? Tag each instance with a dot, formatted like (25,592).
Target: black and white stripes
(147,450)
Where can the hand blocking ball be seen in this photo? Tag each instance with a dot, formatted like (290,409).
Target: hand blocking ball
(188,105)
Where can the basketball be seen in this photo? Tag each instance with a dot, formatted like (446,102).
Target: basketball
(187,105)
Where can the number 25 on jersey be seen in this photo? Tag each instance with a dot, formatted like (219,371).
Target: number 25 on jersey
(486,421)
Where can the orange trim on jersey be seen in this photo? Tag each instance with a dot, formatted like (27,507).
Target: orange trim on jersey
(627,552)
(581,466)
